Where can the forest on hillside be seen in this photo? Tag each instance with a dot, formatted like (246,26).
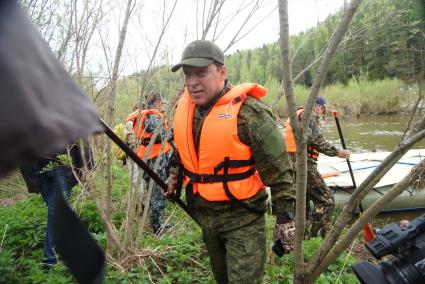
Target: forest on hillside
(385,44)
(386,39)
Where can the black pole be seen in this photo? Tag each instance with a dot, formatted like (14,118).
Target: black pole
(111,134)
(341,137)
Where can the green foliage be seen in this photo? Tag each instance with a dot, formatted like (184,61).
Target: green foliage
(338,272)
(90,217)
(183,257)
(360,97)
(23,226)
(24,229)
(7,268)
(386,39)
(61,159)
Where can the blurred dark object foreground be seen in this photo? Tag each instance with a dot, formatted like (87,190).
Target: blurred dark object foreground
(406,244)
(74,244)
(41,109)
(41,112)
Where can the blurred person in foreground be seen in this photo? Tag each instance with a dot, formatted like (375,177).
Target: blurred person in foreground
(42,112)
(48,176)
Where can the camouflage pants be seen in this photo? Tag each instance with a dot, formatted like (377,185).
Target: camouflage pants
(157,201)
(320,196)
(320,202)
(236,243)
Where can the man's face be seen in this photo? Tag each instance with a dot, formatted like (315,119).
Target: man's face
(157,105)
(204,83)
(319,109)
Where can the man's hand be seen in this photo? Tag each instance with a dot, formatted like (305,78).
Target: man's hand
(345,154)
(283,235)
(172,184)
(404,224)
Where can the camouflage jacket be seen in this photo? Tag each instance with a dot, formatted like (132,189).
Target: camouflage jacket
(149,125)
(257,129)
(316,140)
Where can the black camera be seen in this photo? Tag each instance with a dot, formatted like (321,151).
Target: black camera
(407,245)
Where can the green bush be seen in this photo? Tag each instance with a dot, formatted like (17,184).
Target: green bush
(24,225)
(338,272)
(7,267)
(358,97)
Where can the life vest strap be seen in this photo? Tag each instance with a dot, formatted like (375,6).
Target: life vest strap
(146,141)
(208,178)
(226,177)
(234,164)
(232,198)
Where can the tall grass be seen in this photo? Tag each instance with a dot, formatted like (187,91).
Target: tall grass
(359,97)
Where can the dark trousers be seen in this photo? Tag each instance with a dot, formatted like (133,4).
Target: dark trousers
(48,182)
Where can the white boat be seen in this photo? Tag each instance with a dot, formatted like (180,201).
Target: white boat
(337,177)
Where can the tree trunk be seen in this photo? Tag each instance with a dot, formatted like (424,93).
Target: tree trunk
(300,133)
(301,165)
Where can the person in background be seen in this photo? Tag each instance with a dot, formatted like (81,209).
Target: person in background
(43,176)
(230,148)
(150,119)
(318,193)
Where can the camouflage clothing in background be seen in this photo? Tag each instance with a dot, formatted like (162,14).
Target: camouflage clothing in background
(157,201)
(319,218)
(316,140)
(234,235)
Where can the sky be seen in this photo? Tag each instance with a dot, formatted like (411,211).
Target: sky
(145,27)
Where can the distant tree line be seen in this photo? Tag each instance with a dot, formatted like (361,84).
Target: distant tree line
(386,39)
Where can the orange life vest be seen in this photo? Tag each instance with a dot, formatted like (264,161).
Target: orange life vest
(223,168)
(143,136)
(291,147)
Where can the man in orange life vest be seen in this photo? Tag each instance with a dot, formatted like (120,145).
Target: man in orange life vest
(150,119)
(319,217)
(229,147)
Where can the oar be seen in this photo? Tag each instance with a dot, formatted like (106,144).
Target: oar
(367,230)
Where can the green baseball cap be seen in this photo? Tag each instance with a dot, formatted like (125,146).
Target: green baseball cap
(200,53)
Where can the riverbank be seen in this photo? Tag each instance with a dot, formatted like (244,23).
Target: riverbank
(359,97)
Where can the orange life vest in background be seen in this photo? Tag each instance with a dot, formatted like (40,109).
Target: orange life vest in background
(291,147)
(223,169)
(143,136)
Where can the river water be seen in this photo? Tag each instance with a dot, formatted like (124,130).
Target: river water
(375,133)
(366,134)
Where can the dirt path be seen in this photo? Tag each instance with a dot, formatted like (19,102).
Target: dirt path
(12,189)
